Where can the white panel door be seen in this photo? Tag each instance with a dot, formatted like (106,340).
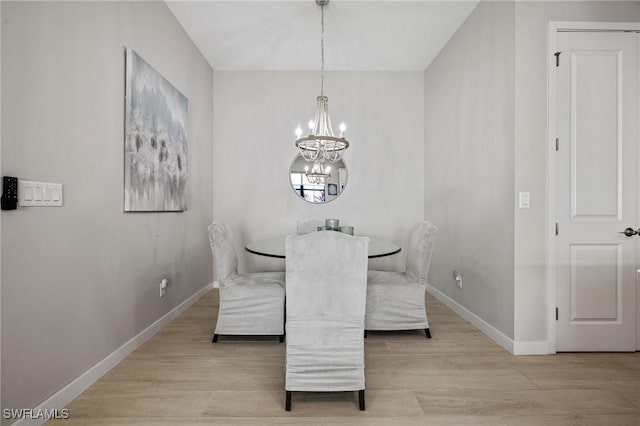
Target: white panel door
(597,119)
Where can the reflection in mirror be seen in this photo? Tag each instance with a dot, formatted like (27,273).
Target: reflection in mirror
(313,190)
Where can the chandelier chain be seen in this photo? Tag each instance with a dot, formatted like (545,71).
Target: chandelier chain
(322,51)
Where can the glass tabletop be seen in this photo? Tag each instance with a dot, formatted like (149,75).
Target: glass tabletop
(275,247)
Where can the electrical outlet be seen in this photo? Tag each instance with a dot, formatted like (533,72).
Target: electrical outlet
(458,277)
(163,287)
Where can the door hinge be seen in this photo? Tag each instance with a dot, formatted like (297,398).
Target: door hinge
(557,227)
(557,144)
(557,55)
(556,314)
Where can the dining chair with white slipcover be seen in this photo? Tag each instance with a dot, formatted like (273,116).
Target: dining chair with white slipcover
(305,226)
(250,303)
(396,300)
(326,293)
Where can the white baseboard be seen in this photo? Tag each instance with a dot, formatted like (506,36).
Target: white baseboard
(513,346)
(493,333)
(531,347)
(68,393)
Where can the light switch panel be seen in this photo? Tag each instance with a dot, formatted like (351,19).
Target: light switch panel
(39,194)
(27,193)
(525,200)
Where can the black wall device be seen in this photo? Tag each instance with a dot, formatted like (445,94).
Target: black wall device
(9,200)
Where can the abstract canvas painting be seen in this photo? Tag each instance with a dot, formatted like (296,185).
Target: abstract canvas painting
(155,140)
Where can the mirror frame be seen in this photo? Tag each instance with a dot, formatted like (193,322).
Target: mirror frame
(326,190)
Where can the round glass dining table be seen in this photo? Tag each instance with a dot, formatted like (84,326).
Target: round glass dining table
(275,247)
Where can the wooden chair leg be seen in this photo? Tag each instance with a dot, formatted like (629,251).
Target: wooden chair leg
(428,333)
(361,399)
(287,404)
(215,338)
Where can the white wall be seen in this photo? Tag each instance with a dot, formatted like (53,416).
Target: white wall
(531,231)
(469,163)
(255,116)
(81,280)
(486,140)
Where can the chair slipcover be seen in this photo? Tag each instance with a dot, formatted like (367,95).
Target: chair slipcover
(251,303)
(305,226)
(395,301)
(326,295)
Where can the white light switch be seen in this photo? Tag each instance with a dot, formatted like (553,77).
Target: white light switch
(27,193)
(39,194)
(525,200)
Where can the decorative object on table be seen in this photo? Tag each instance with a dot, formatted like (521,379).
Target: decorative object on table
(155,140)
(324,228)
(395,301)
(326,293)
(250,303)
(346,229)
(333,224)
(305,183)
(321,144)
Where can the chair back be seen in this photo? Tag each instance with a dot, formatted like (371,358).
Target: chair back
(420,250)
(225,261)
(326,291)
(306,226)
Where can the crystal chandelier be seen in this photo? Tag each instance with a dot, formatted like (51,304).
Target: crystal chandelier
(318,174)
(321,144)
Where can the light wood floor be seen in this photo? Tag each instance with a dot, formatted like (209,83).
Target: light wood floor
(460,377)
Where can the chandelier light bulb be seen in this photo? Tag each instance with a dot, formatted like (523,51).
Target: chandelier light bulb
(311,124)
(343,127)
(298,132)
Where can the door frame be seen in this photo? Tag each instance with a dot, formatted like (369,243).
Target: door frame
(554,28)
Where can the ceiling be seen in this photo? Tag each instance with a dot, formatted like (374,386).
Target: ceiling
(285,35)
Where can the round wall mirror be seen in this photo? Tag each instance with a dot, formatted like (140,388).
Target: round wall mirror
(308,182)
